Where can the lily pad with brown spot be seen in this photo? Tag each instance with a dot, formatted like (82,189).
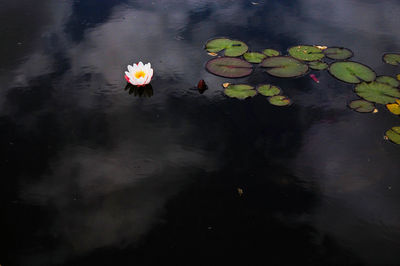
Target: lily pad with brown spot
(229,67)
(351,72)
(362,106)
(279,100)
(338,53)
(284,66)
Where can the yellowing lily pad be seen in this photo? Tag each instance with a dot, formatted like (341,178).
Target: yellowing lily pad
(394,134)
(306,53)
(279,100)
(392,59)
(284,66)
(388,80)
(377,92)
(351,72)
(271,52)
(398,76)
(362,106)
(254,57)
(229,67)
(338,53)
(268,90)
(394,107)
(232,48)
(240,91)
(318,65)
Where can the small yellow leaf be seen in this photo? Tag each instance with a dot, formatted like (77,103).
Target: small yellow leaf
(375,111)
(240,191)
(212,54)
(321,47)
(385,138)
(394,108)
(225,85)
(398,76)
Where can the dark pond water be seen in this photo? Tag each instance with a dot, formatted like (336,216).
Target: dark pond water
(93,175)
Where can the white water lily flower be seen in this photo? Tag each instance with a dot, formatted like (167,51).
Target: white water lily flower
(139,74)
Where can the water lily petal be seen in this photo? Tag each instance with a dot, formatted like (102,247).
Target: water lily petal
(130,68)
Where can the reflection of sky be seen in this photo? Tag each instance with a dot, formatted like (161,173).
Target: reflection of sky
(117,179)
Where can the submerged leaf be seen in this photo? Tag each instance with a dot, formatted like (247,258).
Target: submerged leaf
(392,59)
(240,91)
(318,65)
(284,66)
(229,67)
(232,48)
(362,106)
(388,80)
(279,100)
(254,57)
(306,53)
(394,134)
(351,72)
(271,52)
(268,90)
(338,53)
(377,92)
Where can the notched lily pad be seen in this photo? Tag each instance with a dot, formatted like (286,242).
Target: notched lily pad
(254,57)
(338,53)
(240,91)
(318,65)
(362,106)
(393,134)
(392,59)
(306,53)
(268,90)
(284,66)
(232,48)
(388,80)
(229,67)
(377,92)
(351,72)
(279,100)
(271,52)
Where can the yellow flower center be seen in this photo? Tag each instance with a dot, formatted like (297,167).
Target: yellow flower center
(140,74)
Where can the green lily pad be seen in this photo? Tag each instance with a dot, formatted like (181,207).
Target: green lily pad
(240,91)
(254,57)
(271,52)
(351,72)
(306,53)
(388,80)
(232,48)
(394,134)
(362,106)
(393,59)
(268,90)
(377,92)
(338,53)
(229,67)
(318,65)
(279,100)
(284,66)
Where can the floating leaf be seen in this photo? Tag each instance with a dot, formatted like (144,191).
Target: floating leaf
(268,90)
(394,134)
(362,106)
(232,48)
(284,66)
(240,91)
(338,53)
(271,52)
(394,107)
(377,92)
(351,72)
(388,80)
(393,59)
(279,100)
(306,53)
(226,84)
(229,67)
(321,47)
(254,57)
(398,76)
(212,54)
(318,65)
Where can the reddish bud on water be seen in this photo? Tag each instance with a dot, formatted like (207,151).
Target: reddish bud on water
(202,86)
